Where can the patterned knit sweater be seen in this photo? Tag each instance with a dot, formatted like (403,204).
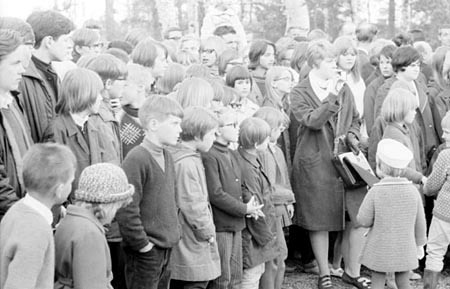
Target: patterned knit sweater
(439,184)
(394,212)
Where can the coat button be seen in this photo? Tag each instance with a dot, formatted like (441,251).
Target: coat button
(237,180)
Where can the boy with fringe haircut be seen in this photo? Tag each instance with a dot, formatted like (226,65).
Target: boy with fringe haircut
(224,181)
(149,225)
(39,87)
(27,250)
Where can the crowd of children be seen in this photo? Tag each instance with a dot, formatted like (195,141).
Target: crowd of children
(206,162)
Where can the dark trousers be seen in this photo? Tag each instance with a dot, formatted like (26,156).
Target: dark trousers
(180,284)
(147,270)
(299,243)
(118,265)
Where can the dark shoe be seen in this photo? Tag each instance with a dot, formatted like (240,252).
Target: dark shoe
(290,268)
(358,282)
(325,282)
(430,279)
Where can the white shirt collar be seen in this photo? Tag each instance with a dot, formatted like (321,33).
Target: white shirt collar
(6,100)
(79,120)
(320,87)
(39,207)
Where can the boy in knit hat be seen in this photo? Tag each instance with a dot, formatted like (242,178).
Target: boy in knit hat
(27,252)
(82,253)
(394,211)
(439,233)
(149,225)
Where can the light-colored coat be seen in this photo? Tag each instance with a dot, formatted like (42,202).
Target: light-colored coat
(194,258)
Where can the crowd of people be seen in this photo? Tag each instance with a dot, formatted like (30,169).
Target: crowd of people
(205,162)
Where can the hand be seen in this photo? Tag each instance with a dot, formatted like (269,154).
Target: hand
(253,206)
(424,181)
(114,103)
(352,142)
(256,215)
(62,212)
(147,248)
(290,209)
(420,252)
(211,240)
(337,84)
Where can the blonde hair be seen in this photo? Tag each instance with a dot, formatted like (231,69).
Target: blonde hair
(80,89)
(197,122)
(397,104)
(274,117)
(253,131)
(173,75)
(195,92)
(159,108)
(342,45)
(318,50)
(106,65)
(272,75)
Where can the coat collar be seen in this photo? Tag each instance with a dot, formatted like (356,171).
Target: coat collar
(86,214)
(252,159)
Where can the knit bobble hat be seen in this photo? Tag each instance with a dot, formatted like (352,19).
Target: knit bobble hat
(103,183)
(394,153)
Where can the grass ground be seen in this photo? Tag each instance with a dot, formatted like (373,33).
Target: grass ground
(300,280)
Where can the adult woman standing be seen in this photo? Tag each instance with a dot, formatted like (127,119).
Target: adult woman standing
(316,103)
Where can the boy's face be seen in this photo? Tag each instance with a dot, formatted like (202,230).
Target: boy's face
(275,133)
(11,69)
(64,190)
(208,139)
(60,48)
(327,69)
(231,41)
(444,36)
(168,131)
(133,93)
(160,65)
(229,131)
(115,88)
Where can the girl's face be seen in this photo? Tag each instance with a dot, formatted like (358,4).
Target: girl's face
(411,71)
(284,83)
(243,86)
(446,135)
(347,60)
(11,69)
(409,118)
(267,60)
(209,56)
(327,68)
(386,66)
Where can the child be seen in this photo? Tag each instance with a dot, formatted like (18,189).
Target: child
(85,41)
(195,260)
(39,87)
(438,184)
(113,73)
(224,177)
(274,164)
(149,225)
(81,252)
(240,79)
(259,238)
(27,253)
(393,210)
(195,91)
(261,56)
(131,131)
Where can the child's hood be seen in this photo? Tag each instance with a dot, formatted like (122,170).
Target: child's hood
(180,152)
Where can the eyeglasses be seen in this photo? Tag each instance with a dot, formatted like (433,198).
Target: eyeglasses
(235,105)
(286,78)
(231,124)
(207,51)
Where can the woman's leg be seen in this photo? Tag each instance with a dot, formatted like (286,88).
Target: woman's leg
(319,244)
(337,251)
(378,280)
(353,242)
(402,280)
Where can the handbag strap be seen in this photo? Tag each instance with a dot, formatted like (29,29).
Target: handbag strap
(338,138)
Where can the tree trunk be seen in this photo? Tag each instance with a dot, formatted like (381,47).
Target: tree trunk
(391,19)
(109,18)
(297,14)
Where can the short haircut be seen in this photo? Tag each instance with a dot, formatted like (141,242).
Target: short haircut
(318,50)
(159,108)
(49,23)
(215,43)
(224,30)
(253,131)
(274,117)
(121,44)
(108,67)
(366,32)
(403,57)
(443,26)
(317,34)
(92,24)
(299,56)
(22,27)
(146,52)
(85,37)
(402,39)
(417,34)
(388,51)
(343,44)
(275,73)
(375,47)
(197,121)
(437,64)
(119,53)
(195,92)
(423,47)
(136,35)
(189,37)
(173,75)
(445,123)
(10,40)
(138,75)
(257,49)
(225,58)
(198,70)
(237,73)
(397,104)
(80,89)
(224,113)
(47,165)
(217,86)
(185,58)
(230,95)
